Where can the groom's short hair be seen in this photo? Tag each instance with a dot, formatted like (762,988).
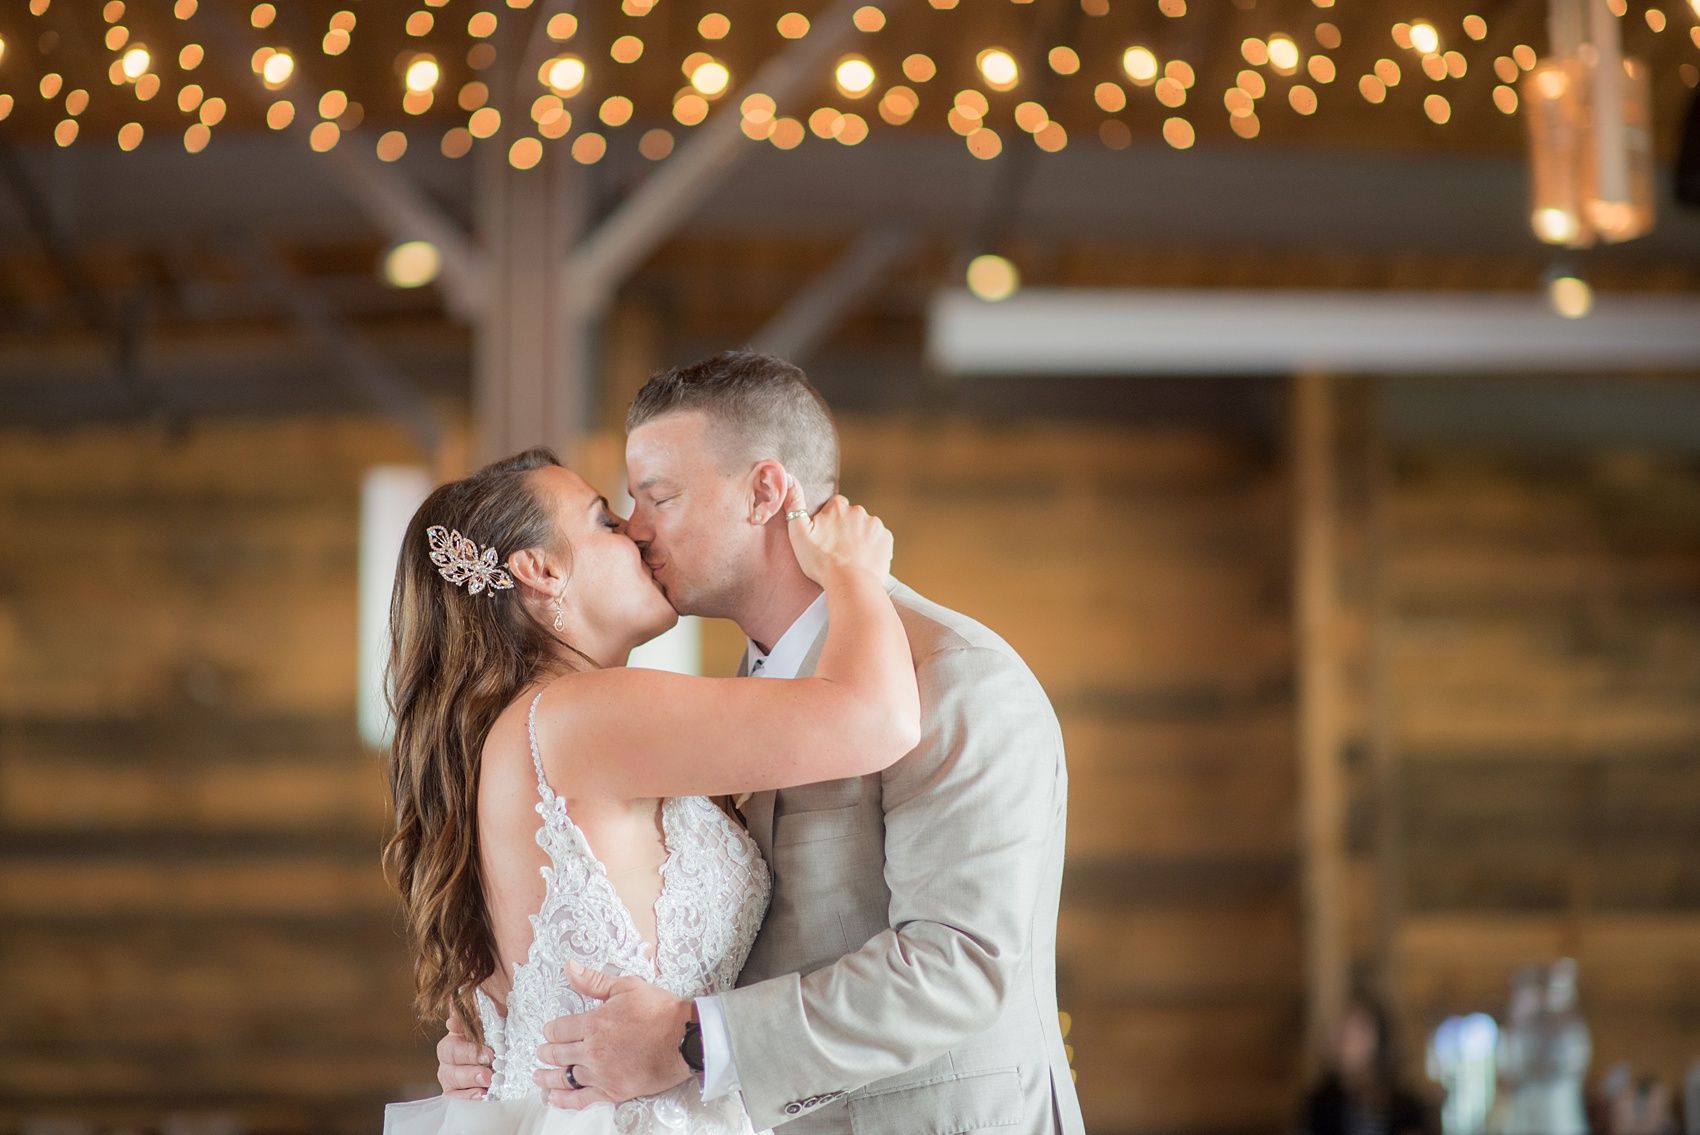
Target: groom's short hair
(759,408)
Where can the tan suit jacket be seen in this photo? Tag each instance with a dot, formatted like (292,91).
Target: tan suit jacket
(904,982)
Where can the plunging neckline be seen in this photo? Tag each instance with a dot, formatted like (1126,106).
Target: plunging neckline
(647,950)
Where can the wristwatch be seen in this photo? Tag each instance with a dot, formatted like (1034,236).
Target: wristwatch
(691,1047)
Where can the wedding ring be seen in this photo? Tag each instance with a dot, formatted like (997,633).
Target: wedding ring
(796,514)
(573,1080)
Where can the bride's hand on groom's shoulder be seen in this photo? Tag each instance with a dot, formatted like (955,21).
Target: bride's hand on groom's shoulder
(463,1067)
(839,535)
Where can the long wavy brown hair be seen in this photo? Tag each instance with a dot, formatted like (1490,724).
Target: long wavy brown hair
(458,660)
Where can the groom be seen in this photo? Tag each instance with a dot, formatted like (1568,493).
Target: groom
(904,980)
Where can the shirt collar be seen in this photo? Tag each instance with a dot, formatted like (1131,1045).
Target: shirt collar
(787,655)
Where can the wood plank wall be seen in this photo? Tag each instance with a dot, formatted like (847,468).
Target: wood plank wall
(194,917)
(1144,577)
(1546,668)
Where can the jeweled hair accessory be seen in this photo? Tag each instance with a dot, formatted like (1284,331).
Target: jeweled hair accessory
(460,562)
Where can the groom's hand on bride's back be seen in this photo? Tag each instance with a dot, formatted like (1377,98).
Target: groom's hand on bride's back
(623,1048)
(463,1066)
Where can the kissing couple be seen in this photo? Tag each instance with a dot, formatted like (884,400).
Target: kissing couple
(821,894)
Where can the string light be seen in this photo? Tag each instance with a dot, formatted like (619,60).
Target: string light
(992,278)
(998,68)
(919,68)
(1140,65)
(854,77)
(422,75)
(412,264)
(564,75)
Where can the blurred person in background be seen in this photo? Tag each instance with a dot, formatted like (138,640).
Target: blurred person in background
(1361,1094)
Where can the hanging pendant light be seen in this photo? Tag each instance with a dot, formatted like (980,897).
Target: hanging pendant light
(1590,132)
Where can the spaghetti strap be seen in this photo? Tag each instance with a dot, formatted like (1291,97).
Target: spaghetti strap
(543,788)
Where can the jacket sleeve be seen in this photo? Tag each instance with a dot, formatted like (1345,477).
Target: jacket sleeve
(970,817)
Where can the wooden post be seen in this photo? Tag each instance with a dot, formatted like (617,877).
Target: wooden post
(531,357)
(1321,787)
(1383,746)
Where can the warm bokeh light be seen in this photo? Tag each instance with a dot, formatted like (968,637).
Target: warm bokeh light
(561,27)
(332,104)
(263,15)
(129,136)
(1505,98)
(420,24)
(1655,19)
(278,68)
(1283,54)
(714,26)
(1174,9)
(1373,89)
(324,137)
(1247,126)
(690,108)
(484,123)
(588,149)
(1456,65)
(992,278)
(854,76)
(868,18)
(1064,60)
(1424,38)
(1321,68)
(391,146)
(423,74)
(1170,93)
(212,111)
(564,74)
(1328,35)
(998,68)
(66,132)
(1110,97)
(1140,64)
(1525,56)
(1388,72)
(1402,36)
(1030,116)
(183,10)
(1051,137)
(1434,67)
(984,143)
(711,78)
(76,102)
(1254,51)
(919,68)
(1251,83)
(615,111)
(655,144)
(51,84)
(472,95)
(525,153)
(189,98)
(117,37)
(1115,134)
(111,12)
(792,25)
(457,142)
(136,62)
(626,49)
(1555,226)
(1178,133)
(482,25)
(1181,72)
(190,57)
(412,264)
(1571,296)
(1438,109)
(1475,27)
(758,108)
(280,114)
(195,138)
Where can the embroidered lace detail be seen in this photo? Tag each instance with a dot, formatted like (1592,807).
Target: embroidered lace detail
(714,893)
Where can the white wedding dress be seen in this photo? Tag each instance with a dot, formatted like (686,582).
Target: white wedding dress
(714,892)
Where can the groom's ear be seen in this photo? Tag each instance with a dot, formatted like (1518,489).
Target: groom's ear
(768,481)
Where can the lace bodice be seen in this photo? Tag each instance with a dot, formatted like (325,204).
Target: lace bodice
(714,892)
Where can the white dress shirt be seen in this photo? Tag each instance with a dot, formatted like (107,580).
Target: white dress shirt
(720,1074)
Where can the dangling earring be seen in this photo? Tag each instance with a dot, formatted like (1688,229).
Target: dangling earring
(560,615)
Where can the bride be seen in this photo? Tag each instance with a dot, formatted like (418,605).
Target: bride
(551,806)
